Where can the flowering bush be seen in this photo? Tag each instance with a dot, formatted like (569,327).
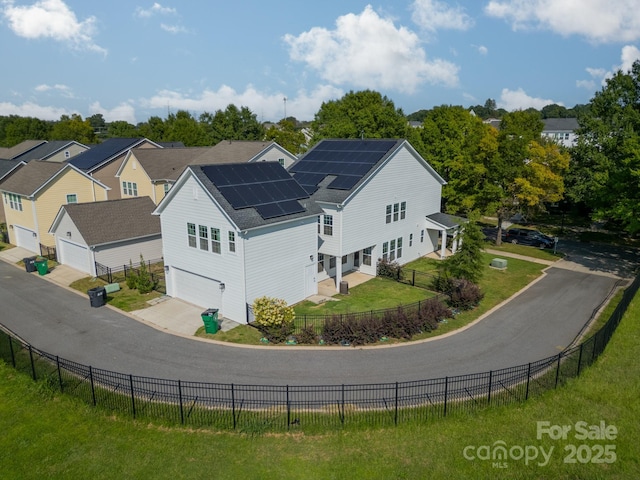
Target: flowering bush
(272,312)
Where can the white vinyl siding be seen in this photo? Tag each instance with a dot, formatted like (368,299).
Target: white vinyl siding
(118,254)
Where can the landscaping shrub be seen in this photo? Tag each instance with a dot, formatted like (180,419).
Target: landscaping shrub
(307,335)
(433,311)
(144,282)
(442,283)
(465,295)
(388,269)
(277,333)
(132,277)
(272,312)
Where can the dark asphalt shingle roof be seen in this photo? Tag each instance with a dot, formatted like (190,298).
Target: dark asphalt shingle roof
(103,152)
(29,178)
(446,220)
(6,166)
(236,151)
(45,150)
(12,152)
(560,124)
(114,220)
(247,218)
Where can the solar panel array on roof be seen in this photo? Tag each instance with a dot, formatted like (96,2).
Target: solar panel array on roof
(265,186)
(348,160)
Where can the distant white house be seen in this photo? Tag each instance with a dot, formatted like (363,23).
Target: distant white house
(380,200)
(234,232)
(562,130)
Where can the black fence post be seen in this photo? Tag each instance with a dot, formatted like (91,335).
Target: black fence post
(579,359)
(446,392)
(93,388)
(233,405)
(288,410)
(133,397)
(558,369)
(413,278)
(395,418)
(489,394)
(180,397)
(526,395)
(33,366)
(342,406)
(59,373)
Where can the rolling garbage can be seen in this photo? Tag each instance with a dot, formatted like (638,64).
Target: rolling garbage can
(210,319)
(42,265)
(97,296)
(29,264)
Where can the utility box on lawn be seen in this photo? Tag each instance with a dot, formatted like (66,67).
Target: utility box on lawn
(499,263)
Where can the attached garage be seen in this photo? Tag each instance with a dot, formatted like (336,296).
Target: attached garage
(74,255)
(199,290)
(26,238)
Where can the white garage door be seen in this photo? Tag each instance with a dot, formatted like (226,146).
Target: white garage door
(26,238)
(192,288)
(74,255)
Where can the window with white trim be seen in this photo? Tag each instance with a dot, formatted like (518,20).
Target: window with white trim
(403,210)
(203,234)
(215,240)
(399,247)
(281,161)
(191,234)
(15,202)
(392,250)
(385,251)
(332,262)
(67,154)
(388,214)
(421,236)
(232,241)
(328,224)
(344,259)
(366,256)
(130,189)
(395,212)
(411,239)
(72,198)
(320,263)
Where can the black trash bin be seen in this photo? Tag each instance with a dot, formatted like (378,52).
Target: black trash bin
(97,296)
(30,264)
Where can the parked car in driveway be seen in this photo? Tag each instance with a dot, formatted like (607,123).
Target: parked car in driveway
(526,236)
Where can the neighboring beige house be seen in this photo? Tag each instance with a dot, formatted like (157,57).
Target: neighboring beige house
(152,172)
(103,161)
(33,194)
(7,167)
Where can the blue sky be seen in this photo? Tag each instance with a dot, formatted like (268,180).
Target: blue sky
(129,60)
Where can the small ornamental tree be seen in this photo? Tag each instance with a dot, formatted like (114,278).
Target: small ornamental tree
(272,312)
(144,281)
(132,277)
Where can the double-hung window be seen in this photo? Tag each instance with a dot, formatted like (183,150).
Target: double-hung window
(328,224)
(366,256)
(388,215)
(215,240)
(320,262)
(204,237)
(399,248)
(232,241)
(191,234)
(385,251)
(72,198)
(392,250)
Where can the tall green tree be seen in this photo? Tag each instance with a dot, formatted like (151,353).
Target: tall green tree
(287,136)
(363,114)
(183,127)
(73,128)
(605,172)
(528,170)
(459,146)
(233,123)
(153,129)
(122,129)
(18,129)
(467,262)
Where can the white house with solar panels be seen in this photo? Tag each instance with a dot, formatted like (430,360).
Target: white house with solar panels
(235,232)
(380,200)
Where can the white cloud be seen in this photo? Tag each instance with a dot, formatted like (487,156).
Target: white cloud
(599,21)
(586,84)
(125,111)
(368,51)
(518,100)
(30,109)
(173,28)
(64,90)
(433,15)
(628,55)
(482,50)
(267,106)
(155,9)
(52,19)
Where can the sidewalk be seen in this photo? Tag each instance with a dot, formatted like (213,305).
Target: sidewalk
(520,257)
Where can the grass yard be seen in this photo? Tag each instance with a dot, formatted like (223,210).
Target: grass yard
(543,254)
(125,299)
(48,435)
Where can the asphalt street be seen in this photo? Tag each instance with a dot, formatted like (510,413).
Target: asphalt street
(540,322)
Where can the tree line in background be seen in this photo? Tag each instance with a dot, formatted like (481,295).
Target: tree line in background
(513,169)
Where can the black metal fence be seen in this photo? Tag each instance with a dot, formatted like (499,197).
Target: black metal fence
(121,272)
(416,278)
(257,408)
(48,252)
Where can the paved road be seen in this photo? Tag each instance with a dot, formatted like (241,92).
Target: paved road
(544,319)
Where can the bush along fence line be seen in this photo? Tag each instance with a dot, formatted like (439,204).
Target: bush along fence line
(122,272)
(261,408)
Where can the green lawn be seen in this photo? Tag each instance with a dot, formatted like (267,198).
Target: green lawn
(544,254)
(48,435)
(125,299)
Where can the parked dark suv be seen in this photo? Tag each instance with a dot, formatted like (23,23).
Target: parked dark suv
(526,236)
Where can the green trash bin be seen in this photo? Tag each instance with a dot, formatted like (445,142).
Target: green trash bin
(210,319)
(42,265)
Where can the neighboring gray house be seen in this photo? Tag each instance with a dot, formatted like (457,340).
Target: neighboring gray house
(19,149)
(562,130)
(112,233)
(234,232)
(53,151)
(234,151)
